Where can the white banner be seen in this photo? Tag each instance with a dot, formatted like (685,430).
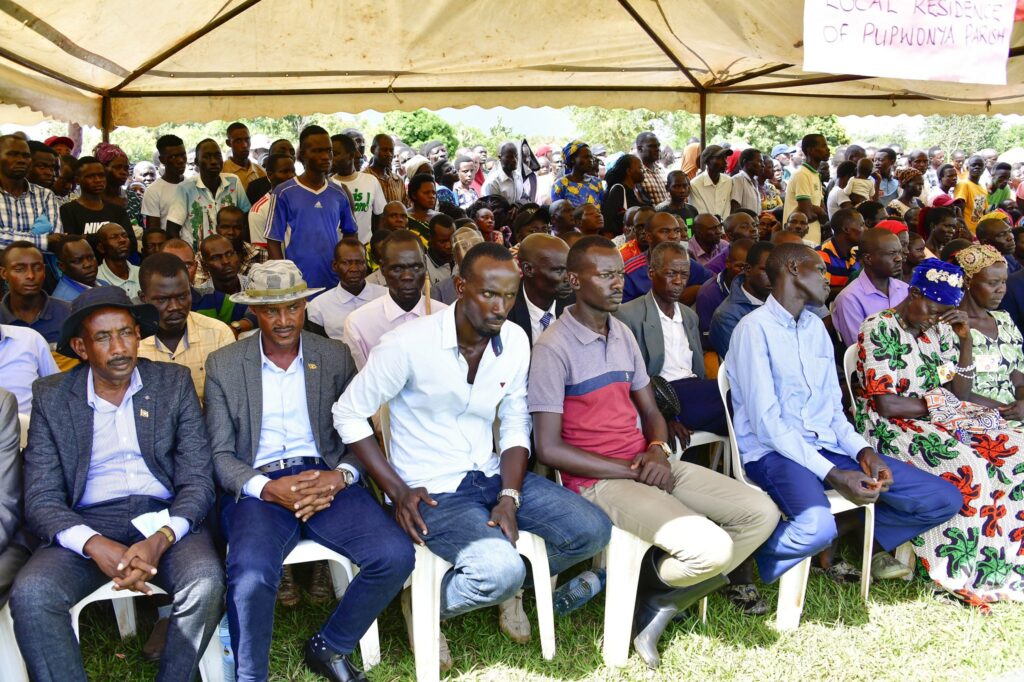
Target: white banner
(965,41)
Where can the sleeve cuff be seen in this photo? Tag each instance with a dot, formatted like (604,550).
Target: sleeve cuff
(179,526)
(75,537)
(254,486)
(506,443)
(353,430)
(819,466)
(352,470)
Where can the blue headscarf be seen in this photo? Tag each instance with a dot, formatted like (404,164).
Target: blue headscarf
(570,150)
(939,281)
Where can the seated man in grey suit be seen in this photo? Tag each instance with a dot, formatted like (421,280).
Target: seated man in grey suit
(118,482)
(669,338)
(13,543)
(288,476)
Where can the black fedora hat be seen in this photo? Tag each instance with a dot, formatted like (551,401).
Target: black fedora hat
(91,300)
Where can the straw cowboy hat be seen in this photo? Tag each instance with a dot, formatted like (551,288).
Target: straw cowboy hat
(276,281)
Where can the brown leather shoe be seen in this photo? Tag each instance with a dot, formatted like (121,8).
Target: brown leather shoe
(154,646)
(321,587)
(287,591)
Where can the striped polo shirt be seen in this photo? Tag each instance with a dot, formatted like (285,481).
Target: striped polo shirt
(840,270)
(588,378)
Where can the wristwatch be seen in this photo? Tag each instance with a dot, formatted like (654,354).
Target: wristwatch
(347,475)
(663,445)
(514,494)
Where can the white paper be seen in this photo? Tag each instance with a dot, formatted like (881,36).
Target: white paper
(147,524)
(964,41)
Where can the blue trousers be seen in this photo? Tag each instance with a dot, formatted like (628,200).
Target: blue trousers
(916,502)
(261,534)
(701,405)
(487,569)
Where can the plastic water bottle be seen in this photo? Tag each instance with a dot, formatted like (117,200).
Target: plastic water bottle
(227,655)
(578,591)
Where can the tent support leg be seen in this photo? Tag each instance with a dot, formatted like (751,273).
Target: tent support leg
(703,120)
(105,118)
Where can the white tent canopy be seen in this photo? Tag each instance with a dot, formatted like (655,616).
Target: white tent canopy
(127,63)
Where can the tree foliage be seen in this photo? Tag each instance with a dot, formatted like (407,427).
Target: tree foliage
(416,127)
(764,132)
(970,133)
(617,128)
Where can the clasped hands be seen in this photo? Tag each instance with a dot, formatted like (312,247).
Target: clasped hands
(128,567)
(864,486)
(306,493)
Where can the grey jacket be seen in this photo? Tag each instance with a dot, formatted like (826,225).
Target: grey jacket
(641,316)
(234,404)
(169,427)
(10,471)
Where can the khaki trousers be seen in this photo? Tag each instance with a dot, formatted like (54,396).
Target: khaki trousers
(707,525)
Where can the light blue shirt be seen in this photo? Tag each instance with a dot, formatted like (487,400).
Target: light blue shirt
(785,391)
(24,357)
(286,431)
(116,466)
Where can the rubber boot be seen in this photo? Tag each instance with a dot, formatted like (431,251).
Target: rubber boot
(657,604)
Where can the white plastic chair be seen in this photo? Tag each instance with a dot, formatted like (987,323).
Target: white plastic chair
(210,666)
(23,421)
(12,666)
(721,450)
(425,582)
(793,583)
(621,560)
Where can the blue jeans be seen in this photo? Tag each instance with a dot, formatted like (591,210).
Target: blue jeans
(487,569)
(916,502)
(55,579)
(261,534)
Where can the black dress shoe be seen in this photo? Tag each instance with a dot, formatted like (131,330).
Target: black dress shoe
(332,665)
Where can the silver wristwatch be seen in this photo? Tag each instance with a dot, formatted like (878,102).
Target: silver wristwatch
(514,494)
(347,475)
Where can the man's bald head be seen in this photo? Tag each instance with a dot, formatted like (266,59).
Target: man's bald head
(740,226)
(875,239)
(785,254)
(537,245)
(987,227)
(661,219)
(786,237)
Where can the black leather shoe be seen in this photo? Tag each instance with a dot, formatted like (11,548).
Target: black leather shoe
(332,665)
(657,604)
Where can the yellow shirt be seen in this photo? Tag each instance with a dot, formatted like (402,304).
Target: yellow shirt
(245,175)
(203,335)
(976,198)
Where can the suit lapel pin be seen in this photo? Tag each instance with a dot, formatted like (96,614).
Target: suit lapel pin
(311,365)
(144,414)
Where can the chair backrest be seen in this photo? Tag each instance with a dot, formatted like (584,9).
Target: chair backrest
(734,451)
(23,420)
(850,373)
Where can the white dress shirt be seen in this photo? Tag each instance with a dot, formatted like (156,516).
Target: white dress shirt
(678,355)
(441,425)
(285,431)
(707,197)
(365,326)
(116,466)
(331,308)
(500,183)
(536,328)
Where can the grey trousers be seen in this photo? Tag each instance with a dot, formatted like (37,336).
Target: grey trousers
(55,579)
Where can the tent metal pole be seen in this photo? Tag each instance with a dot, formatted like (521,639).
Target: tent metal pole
(703,120)
(105,118)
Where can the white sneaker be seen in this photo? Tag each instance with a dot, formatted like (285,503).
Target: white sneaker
(512,619)
(445,654)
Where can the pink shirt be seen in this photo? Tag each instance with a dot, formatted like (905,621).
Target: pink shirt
(365,326)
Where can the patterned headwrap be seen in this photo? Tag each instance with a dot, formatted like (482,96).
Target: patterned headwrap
(905,175)
(570,150)
(977,257)
(939,281)
(106,152)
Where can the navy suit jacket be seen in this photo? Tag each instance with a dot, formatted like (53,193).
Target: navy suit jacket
(168,424)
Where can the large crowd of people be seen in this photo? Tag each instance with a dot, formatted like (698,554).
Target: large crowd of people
(249,351)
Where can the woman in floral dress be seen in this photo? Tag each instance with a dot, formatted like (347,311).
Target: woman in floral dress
(916,367)
(998,344)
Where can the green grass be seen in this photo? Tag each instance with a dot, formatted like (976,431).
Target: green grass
(902,634)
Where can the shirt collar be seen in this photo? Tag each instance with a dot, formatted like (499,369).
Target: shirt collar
(45,314)
(699,251)
(783,317)
(810,168)
(266,363)
(450,334)
(183,344)
(392,311)
(677,315)
(536,309)
(583,333)
(93,400)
